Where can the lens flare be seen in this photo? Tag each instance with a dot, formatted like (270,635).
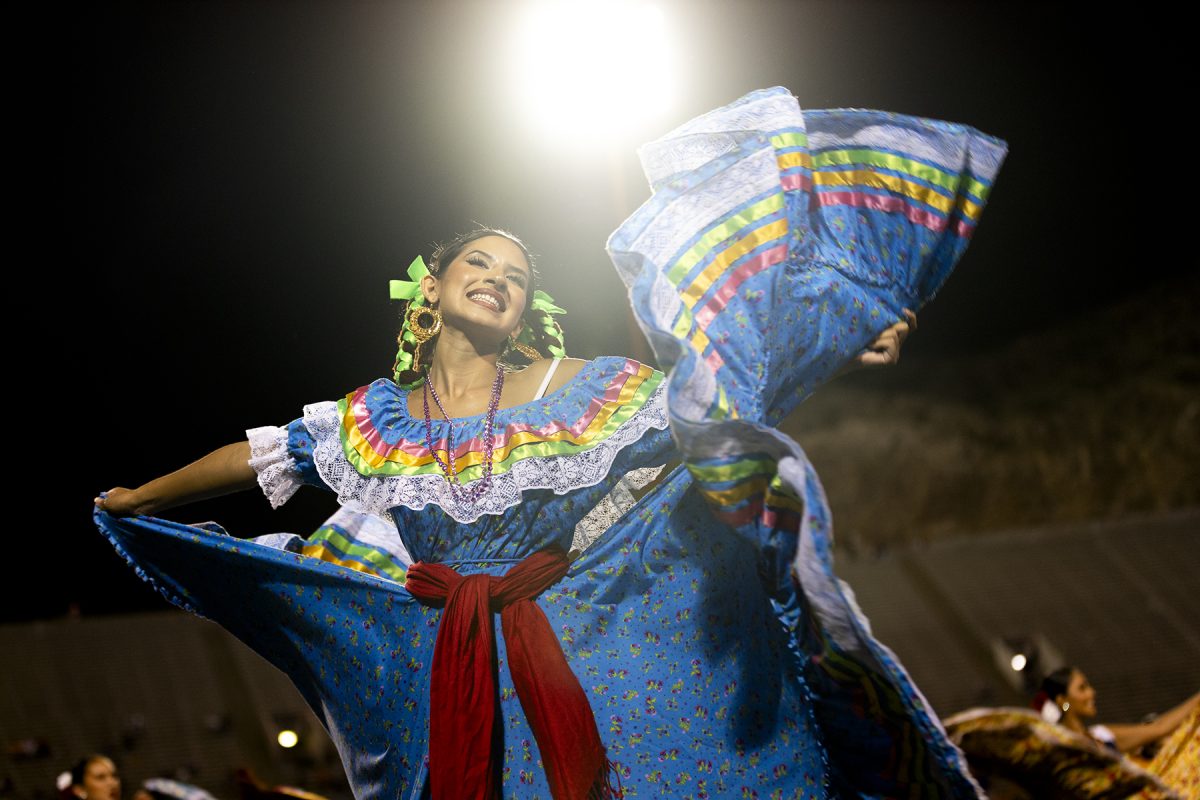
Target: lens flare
(589,71)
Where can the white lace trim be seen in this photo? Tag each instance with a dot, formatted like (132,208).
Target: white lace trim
(562,473)
(611,507)
(278,475)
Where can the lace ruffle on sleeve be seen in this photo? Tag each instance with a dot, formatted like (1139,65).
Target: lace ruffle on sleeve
(278,475)
(282,458)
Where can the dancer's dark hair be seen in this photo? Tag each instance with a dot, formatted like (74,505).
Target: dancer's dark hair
(1057,682)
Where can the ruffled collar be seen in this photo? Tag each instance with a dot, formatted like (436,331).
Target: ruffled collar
(564,441)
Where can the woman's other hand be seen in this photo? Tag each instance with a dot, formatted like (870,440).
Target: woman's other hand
(885,350)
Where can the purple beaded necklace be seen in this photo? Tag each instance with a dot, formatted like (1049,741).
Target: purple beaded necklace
(463,494)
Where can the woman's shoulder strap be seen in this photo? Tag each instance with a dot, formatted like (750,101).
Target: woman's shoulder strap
(541,391)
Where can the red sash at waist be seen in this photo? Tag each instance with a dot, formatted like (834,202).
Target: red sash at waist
(464,734)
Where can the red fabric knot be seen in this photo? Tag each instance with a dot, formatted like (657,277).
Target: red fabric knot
(464,737)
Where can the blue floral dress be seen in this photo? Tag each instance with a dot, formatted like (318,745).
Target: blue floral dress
(720,655)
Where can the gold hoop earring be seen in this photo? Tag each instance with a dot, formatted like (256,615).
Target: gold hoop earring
(1066,707)
(528,352)
(422,330)
(424,323)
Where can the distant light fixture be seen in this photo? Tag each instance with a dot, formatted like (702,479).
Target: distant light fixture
(586,70)
(1023,659)
(287,738)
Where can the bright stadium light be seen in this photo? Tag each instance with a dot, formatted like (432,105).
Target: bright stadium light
(1018,662)
(288,739)
(587,70)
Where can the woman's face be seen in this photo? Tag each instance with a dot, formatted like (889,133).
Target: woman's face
(100,781)
(484,287)
(1081,695)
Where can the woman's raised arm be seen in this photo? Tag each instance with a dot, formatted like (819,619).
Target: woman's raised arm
(1131,737)
(222,471)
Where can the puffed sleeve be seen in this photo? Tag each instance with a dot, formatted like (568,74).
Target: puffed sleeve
(283,460)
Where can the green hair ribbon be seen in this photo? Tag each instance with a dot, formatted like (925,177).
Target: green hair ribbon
(543,304)
(409,291)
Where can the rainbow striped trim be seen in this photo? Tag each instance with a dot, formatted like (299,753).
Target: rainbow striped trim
(745,242)
(329,543)
(754,237)
(371,454)
(924,170)
(745,489)
(883,181)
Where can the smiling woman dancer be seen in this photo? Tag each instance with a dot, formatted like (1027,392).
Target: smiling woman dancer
(699,644)
(1068,697)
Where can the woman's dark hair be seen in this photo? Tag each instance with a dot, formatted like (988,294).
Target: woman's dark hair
(1057,682)
(78,772)
(545,330)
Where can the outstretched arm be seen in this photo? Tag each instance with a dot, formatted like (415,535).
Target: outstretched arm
(1131,737)
(222,471)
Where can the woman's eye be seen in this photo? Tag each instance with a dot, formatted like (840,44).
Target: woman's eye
(477,261)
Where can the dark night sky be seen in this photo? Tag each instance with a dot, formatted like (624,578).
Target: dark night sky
(239,181)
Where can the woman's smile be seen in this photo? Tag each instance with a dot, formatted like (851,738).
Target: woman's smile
(488,298)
